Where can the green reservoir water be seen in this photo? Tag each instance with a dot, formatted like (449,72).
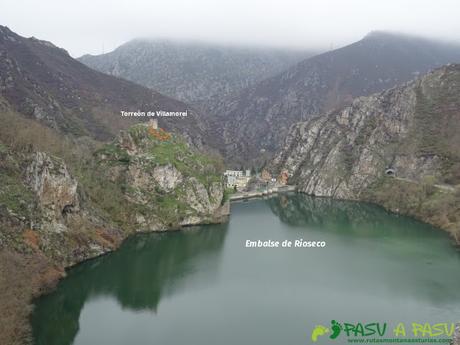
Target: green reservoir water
(201,286)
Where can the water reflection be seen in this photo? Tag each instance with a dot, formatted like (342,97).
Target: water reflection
(145,269)
(342,216)
(406,256)
(204,287)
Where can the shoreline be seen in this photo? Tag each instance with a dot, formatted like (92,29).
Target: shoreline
(48,286)
(258,194)
(397,211)
(40,277)
(293,188)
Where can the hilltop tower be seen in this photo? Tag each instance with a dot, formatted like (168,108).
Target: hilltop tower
(153,124)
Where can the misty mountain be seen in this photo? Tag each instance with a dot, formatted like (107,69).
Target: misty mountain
(192,71)
(43,82)
(254,123)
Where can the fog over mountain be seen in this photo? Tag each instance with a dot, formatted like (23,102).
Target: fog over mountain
(95,27)
(256,121)
(193,71)
(349,99)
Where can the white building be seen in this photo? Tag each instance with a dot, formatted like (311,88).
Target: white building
(231,181)
(236,173)
(237,178)
(242,182)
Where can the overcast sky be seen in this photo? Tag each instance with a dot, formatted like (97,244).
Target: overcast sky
(91,26)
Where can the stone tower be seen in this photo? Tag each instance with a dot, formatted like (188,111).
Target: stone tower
(153,124)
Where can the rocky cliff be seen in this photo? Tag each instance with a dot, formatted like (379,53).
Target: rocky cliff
(398,148)
(50,214)
(136,183)
(168,183)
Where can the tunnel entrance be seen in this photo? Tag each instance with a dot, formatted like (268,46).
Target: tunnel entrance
(390,172)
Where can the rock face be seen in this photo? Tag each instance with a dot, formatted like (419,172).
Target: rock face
(56,190)
(255,123)
(43,212)
(398,148)
(168,183)
(192,71)
(412,130)
(144,181)
(167,177)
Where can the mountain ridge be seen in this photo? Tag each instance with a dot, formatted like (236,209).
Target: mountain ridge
(192,71)
(319,84)
(45,83)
